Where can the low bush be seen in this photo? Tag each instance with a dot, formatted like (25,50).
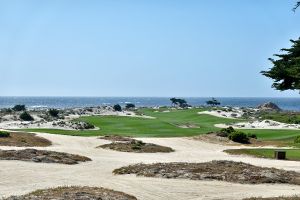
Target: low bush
(87,125)
(26,116)
(225,132)
(297,139)
(19,108)
(4,134)
(130,106)
(252,135)
(53,112)
(117,107)
(240,137)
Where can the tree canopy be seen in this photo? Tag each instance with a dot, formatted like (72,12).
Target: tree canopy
(296,6)
(286,69)
(179,102)
(213,102)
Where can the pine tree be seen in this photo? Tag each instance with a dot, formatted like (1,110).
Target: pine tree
(286,70)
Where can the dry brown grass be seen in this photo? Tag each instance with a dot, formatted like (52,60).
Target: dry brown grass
(20,139)
(42,156)
(137,146)
(74,192)
(229,171)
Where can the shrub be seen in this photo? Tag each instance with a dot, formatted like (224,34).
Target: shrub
(87,125)
(252,135)
(117,107)
(19,108)
(4,134)
(26,116)
(225,132)
(240,137)
(297,139)
(129,106)
(53,112)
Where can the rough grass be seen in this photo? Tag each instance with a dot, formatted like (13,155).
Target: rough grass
(42,156)
(229,171)
(291,154)
(74,192)
(137,146)
(24,140)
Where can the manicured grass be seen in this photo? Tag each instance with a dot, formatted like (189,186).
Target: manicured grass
(291,154)
(165,124)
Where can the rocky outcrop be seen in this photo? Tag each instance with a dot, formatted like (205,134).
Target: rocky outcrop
(269,106)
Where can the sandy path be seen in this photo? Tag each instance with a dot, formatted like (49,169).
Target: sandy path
(19,177)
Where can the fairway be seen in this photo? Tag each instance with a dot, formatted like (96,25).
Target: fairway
(164,124)
(291,154)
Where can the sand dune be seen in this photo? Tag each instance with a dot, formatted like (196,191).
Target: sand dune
(19,177)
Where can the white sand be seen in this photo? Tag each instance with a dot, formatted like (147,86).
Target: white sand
(236,113)
(264,124)
(11,122)
(19,177)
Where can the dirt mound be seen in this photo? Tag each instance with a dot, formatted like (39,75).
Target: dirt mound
(42,156)
(71,193)
(229,171)
(137,146)
(115,138)
(19,139)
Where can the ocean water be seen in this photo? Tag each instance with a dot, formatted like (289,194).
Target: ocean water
(72,102)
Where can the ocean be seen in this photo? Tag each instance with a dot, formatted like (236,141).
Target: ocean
(72,102)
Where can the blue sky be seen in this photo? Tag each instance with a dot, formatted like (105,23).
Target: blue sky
(142,47)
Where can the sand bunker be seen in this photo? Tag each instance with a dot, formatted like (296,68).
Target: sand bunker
(24,140)
(42,156)
(71,193)
(229,171)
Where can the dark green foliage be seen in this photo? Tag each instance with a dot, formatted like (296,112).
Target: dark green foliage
(19,108)
(179,102)
(117,107)
(252,135)
(286,70)
(213,102)
(26,116)
(137,144)
(87,125)
(240,137)
(4,134)
(130,106)
(296,6)
(225,132)
(53,112)
(297,139)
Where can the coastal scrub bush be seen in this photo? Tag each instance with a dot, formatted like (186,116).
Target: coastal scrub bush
(4,134)
(252,135)
(225,132)
(53,112)
(117,107)
(26,116)
(240,137)
(19,108)
(297,139)
(130,106)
